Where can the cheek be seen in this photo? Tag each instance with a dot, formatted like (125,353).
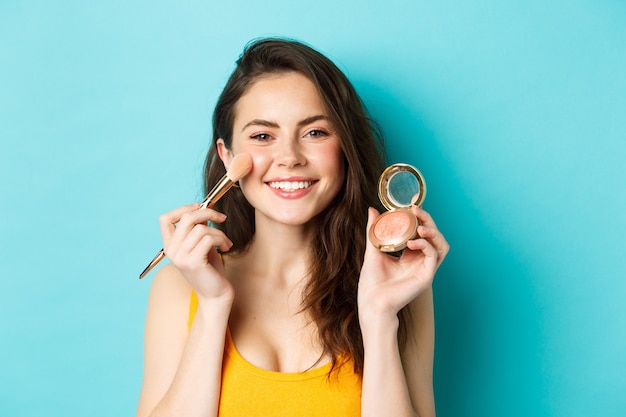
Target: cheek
(330,152)
(332,157)
(331,161)
(260,163)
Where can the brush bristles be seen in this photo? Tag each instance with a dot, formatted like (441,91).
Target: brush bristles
(240,166)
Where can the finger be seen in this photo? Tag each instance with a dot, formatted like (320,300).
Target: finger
(422,245)
(190,219)
(372,213)
(430,233)
(428,230)
(187,221)
(435,238)
(423,216)
(194,221)
(205,248)
(196,255)
(200,232)
(167,221)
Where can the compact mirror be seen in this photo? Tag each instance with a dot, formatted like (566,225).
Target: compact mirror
(400,186)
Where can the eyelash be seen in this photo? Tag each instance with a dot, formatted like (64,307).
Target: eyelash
(263,137)
(315,133)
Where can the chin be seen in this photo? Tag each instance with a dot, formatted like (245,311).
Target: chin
(293,218)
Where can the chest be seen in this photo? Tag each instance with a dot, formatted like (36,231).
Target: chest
(270,330)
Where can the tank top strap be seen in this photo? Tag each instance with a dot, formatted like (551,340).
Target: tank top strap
(193,307)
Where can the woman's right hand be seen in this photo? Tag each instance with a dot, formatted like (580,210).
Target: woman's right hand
(191,244)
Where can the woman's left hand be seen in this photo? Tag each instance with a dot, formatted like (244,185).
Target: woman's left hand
(387,284)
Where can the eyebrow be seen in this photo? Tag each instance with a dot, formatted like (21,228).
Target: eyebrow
(268,123)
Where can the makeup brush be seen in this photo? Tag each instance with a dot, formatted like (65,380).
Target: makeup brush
(240,166)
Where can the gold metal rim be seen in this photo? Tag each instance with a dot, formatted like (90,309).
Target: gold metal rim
(387,175)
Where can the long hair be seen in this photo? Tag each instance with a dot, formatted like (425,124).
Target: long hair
(338,244)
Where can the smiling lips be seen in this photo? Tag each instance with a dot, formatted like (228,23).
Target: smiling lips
(290,185)
(291,188)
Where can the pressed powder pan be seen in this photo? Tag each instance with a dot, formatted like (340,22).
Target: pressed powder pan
(400,186)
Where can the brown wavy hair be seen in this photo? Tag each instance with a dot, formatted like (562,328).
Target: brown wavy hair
(338,245)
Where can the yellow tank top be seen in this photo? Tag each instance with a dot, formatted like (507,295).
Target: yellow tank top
(251,391)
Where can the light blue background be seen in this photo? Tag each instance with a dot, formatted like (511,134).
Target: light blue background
(514,110)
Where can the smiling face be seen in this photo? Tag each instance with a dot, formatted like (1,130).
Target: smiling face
(298,169)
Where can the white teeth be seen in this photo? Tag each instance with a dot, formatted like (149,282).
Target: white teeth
(290,185)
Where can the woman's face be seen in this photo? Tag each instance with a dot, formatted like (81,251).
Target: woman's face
(282,122)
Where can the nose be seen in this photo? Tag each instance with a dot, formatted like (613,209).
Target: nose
(289,153)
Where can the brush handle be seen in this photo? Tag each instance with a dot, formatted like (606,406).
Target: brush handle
(217,192)
(214,195)
(158,258)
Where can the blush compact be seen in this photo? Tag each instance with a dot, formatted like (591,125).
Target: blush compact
(400,186)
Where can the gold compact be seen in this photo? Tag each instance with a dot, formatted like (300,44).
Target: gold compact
(400,186)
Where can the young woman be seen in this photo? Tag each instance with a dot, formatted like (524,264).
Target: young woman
(280,306)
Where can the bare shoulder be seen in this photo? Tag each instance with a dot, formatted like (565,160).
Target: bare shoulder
(165,334)
(169,286)
(168,308)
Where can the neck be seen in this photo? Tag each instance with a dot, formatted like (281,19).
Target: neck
(279,254)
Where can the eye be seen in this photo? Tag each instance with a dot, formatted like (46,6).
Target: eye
(317,133)
(263,137)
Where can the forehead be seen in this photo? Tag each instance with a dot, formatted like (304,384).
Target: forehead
(279,96)
(276,77)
